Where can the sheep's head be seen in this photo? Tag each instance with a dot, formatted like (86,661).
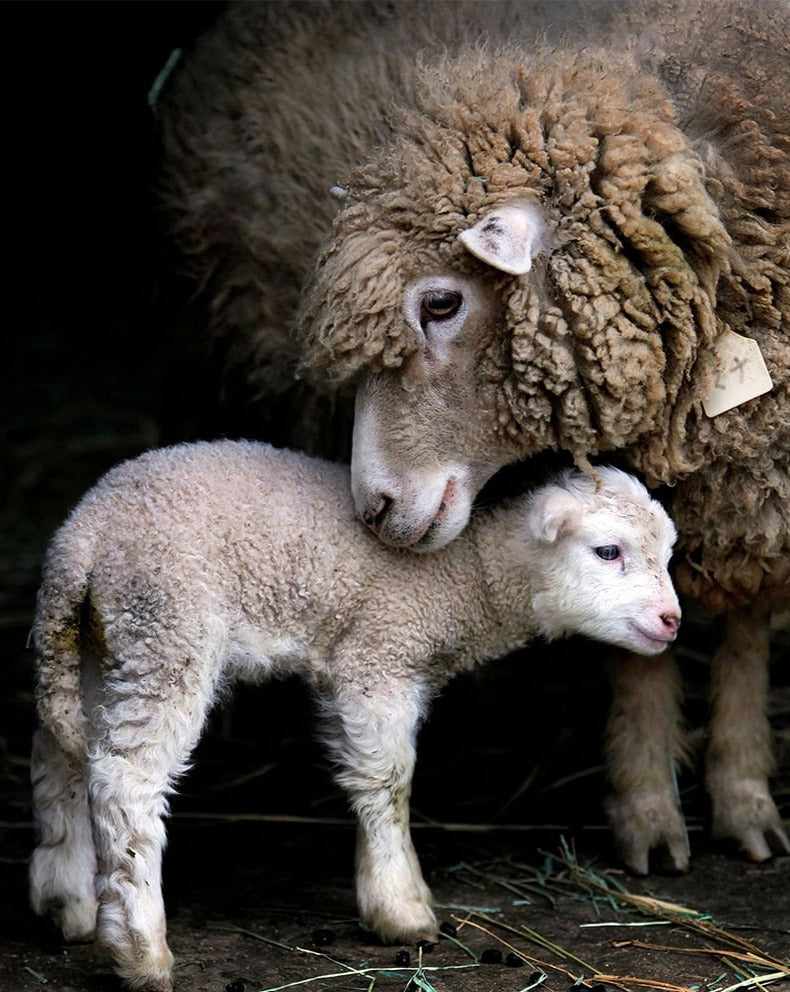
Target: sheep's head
(562,210)
(422,432)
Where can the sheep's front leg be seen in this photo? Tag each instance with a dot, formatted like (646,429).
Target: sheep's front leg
(644,742)
(740,756)
(63,866)
(373,740)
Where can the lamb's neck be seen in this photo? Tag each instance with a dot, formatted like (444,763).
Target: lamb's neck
(509,587)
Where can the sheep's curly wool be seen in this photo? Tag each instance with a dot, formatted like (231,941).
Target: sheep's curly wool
(599,149)
(662,162)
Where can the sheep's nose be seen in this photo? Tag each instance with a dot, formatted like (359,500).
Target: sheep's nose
(375,511)
(671,621)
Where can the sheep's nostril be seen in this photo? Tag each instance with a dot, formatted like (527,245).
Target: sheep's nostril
(671,621)
(376,511)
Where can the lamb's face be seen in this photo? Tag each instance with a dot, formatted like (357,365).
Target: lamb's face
(606,573)
(422,444)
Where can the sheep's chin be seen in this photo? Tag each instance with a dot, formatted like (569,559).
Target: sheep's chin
(439,533)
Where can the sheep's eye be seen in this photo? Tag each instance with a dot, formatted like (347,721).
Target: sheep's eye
(440,304)
(609,552)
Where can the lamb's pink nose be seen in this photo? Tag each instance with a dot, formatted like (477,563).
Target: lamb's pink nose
(671,621)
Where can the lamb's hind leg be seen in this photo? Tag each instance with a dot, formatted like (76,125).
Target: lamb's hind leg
(740,757)
(147,727)
(644,741)
(63,866)
(373,740)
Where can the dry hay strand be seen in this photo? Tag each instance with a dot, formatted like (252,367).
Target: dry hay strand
(751,966)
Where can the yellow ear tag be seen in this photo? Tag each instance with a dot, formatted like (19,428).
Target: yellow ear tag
(742,374)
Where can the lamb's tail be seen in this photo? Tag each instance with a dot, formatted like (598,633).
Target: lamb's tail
(56,638)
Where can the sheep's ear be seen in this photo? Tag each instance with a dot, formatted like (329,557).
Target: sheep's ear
(508,238)
(553,513)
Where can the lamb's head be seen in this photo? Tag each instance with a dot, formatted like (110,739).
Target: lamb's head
(529,265)
(599,561)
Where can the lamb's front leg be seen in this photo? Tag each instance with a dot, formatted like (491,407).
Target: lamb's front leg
(644,742)
(372,737)
(740,756)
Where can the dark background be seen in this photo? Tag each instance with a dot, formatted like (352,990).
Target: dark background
(94,371)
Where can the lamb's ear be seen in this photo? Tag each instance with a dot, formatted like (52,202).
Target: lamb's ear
(508,238)
(552,513)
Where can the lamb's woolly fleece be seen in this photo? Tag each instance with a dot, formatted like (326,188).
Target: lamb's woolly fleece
(193,545)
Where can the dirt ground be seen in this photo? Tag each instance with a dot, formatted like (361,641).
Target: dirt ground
(507,805)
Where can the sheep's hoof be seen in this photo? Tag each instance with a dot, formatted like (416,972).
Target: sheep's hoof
(744,812)
(646,822)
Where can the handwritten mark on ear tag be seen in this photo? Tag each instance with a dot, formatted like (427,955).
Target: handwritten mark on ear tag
(742,374)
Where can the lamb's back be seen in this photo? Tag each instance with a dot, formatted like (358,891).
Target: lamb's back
(223,518)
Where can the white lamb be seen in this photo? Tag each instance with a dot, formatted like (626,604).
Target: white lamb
(196,565)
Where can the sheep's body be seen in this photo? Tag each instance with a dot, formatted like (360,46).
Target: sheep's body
(195,566)
(660,167)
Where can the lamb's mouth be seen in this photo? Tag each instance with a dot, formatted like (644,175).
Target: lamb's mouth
(655,642)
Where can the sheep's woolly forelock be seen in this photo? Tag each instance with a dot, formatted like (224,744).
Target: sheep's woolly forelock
(635,255)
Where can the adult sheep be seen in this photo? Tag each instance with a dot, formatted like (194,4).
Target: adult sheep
(539,246)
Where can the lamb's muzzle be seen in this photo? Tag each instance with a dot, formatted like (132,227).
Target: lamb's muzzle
(661,630)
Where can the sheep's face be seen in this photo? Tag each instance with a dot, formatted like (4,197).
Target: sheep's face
(427,435)
(603,567)
(422,444)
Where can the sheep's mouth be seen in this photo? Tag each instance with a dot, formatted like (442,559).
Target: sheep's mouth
(426,539)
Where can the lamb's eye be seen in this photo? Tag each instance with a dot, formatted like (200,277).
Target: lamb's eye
(440,304)
(609,552)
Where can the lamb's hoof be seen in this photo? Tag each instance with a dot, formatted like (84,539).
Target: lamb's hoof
(411,923)
(155,976)
(74,918)
(149,984)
